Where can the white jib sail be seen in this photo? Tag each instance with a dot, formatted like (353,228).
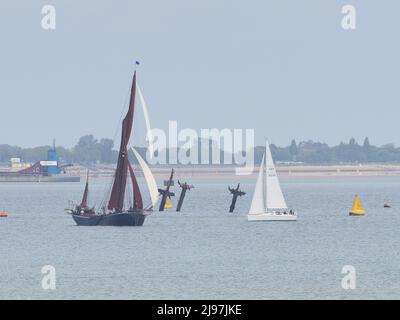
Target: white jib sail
(151,182)
(149,135)
(257,204)
(274,196)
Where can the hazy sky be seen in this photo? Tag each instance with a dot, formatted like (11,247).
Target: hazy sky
(285,68)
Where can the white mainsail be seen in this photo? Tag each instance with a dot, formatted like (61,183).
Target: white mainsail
(257,204)
(149,135)
(273,194)
(151,182)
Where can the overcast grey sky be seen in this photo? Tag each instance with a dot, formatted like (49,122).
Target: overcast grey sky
(285,68)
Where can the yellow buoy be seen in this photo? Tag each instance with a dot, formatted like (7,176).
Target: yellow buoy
(356,209)
(168,204)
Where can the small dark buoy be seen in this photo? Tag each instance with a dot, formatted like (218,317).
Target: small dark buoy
(3,214)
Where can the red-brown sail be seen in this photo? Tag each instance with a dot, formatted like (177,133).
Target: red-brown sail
(118,190)
(137,196)
(119,216)
(85,193)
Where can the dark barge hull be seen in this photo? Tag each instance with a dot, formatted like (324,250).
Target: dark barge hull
(114,219)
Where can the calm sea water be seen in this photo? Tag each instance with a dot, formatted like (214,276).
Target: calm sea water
(205,252)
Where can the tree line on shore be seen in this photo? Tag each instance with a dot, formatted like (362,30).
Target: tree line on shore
(90,150)
(351,152)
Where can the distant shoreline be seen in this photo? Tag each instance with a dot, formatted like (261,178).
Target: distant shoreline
(228,171)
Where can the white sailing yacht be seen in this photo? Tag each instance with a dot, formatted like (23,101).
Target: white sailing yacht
(268,202)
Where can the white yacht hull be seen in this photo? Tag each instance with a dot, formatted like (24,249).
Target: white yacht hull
(271,217)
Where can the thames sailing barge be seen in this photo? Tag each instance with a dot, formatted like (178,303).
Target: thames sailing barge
(116,214)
